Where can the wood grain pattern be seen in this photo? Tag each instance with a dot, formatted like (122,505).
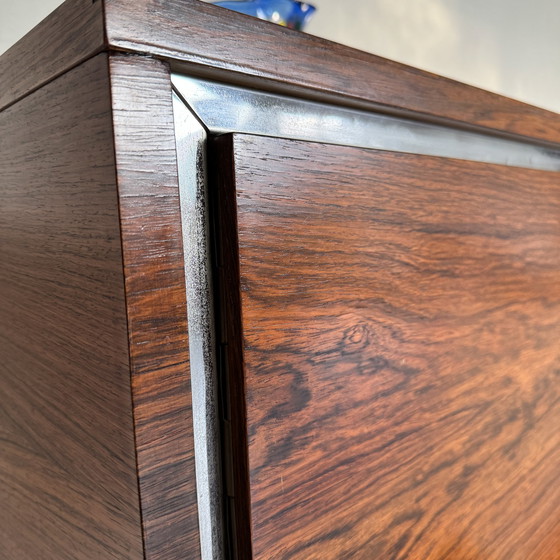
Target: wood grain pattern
(71,34)
(236,47)
(401,318)
(241,49)
(156,304)
(68,486)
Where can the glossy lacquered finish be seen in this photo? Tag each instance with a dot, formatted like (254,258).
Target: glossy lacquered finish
(224,108)
(211,41)
(191,140)
(68,483)
(397,324)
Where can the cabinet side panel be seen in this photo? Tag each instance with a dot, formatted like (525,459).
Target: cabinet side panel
(156,300)
(68,484)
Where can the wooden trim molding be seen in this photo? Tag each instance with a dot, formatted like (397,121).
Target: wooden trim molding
(207,40)
(213,39)
(156,305)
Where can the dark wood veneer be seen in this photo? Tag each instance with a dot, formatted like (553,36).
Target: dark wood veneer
(156,305)
(68,485)
(234,47)
(400,327)
(399,315)
(219,40)
(69,426)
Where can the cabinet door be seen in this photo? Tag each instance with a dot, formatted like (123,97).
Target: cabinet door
(393,322)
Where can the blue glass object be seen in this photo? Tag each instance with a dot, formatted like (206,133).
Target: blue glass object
(289,13)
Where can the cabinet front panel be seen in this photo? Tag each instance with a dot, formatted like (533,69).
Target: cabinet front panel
(400,341)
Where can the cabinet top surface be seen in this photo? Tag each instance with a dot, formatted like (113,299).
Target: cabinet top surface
(200,39)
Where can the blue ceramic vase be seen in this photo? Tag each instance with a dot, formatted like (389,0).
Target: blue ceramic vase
(289,13)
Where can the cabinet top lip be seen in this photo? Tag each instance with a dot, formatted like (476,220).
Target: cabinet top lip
(205,40)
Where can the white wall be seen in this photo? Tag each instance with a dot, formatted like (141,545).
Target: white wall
(17,17)
(507,46)
(511,47)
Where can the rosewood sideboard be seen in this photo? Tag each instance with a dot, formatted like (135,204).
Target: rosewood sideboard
(267,297)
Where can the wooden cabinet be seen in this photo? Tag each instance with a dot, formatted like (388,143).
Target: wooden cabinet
(253,307)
